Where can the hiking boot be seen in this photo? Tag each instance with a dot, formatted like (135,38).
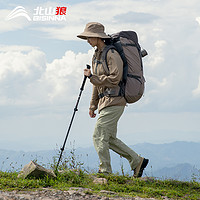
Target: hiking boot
(138,171)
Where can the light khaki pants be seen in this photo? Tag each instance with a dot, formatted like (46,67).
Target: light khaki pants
(104,138)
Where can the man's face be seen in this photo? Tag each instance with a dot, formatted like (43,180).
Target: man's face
(92,41)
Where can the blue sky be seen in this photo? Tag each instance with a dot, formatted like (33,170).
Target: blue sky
(41,71)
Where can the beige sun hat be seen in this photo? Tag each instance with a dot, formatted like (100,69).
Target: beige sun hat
(93,29)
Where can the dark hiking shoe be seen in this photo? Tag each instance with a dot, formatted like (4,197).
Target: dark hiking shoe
(138,171)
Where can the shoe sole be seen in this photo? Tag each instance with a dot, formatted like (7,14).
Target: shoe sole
(143,166)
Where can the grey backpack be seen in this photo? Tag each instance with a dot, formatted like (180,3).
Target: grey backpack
(132,84)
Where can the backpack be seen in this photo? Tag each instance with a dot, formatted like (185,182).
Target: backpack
(132,84)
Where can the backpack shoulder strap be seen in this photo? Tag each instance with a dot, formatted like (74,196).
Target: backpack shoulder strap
(104,57)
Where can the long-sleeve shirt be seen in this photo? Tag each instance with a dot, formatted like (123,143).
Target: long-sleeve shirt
(101,80)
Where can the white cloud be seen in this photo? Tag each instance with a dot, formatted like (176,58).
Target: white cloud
(198,20)
(156,58)
(19,63)
(196,92)
(168,15)
(68,32)
(27,79)
(166,39)
(79,14)
(18,72)
(161,83)
(64,74)
(11,25)
(6,48)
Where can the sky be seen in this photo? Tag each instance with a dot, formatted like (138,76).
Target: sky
(42,62)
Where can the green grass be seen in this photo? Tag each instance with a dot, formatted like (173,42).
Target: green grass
(122,185)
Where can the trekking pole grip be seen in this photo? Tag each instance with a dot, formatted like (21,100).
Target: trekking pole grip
(88,66)
(85,77)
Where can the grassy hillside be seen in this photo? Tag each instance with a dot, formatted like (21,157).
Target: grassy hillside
(122,185)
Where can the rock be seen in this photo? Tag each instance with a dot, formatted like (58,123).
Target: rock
(108,192)
(100,181)
(33,169)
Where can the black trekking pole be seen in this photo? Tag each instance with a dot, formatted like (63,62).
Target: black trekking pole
(75,109)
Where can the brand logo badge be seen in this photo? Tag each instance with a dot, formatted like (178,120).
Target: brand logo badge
(40,13)
(17,12)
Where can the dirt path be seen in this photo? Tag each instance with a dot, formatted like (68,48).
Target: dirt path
(71,194)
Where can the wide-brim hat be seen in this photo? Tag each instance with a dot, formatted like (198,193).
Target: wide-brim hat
(93,29)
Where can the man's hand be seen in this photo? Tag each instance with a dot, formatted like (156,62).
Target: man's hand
(92,114)
(87,72)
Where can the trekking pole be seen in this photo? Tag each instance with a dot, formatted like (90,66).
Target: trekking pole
(75,109)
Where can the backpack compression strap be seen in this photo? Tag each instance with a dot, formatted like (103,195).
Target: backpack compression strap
(108,91)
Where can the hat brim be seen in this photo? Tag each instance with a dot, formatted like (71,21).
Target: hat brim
(85,35)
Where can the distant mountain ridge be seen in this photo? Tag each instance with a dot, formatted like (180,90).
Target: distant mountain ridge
(177,160)
(170,154)
(183,172)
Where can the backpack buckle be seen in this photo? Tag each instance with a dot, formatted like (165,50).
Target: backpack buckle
(101,95)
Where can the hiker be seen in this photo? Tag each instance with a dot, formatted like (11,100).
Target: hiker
(110,108)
